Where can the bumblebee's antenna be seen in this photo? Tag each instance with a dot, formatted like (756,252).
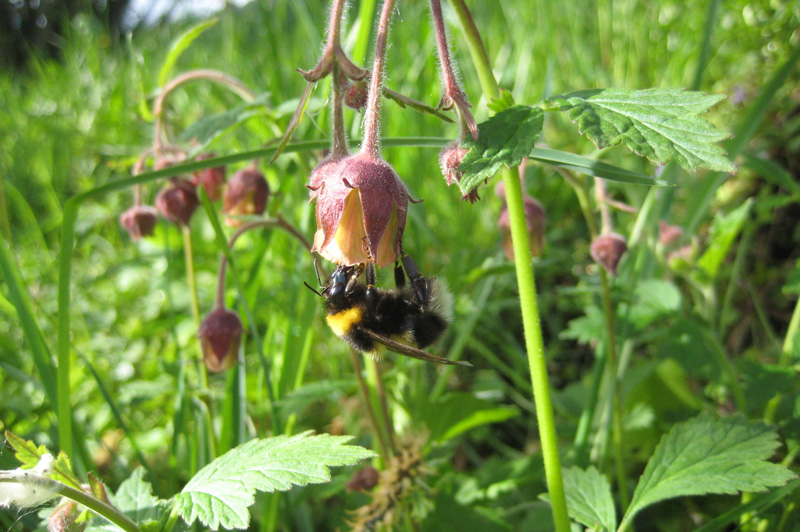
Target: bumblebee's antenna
(309,287)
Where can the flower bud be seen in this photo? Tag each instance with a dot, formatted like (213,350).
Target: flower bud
(211,179)
(534,221)
(64,518)
(139,221)
(361,212)
(178,201)
(364,479)
(356,95)
(220,335)
(607,250)
(449,160)
(247,193)
(668,234)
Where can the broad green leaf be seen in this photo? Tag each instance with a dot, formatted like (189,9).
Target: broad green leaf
(724,230)
(655,298)
(706,455)
(589,499)
(219,494)
(504,139)
(587,328)
(210,127)
(584,165)
(660,124)
(178,46)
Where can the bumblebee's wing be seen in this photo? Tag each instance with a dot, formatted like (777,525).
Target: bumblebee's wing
(412,352)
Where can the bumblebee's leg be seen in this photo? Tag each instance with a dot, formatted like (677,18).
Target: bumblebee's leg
(399,275)
(418,282)
(372,292)
(352,278)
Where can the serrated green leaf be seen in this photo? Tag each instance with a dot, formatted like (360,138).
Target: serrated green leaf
(504,139)
(593,167)
(655,298)
(178,46)
(136,500)
(660,124)
(502,103)
(29,455)
(724,230)
(589,499)
(588,328)
(210,127)
(26,451)
(706,455)
(219,494)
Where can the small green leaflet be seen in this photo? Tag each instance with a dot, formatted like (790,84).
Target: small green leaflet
(706,455)
(724,230)
(29,454)
(504,139)
(660,124)
(220,494)
(135,499)
(589,499)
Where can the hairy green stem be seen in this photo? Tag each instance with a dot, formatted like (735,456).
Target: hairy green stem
(195,305)
(527,290)
(365,392)
(29,478)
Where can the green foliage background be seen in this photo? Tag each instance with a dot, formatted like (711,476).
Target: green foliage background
(71,125)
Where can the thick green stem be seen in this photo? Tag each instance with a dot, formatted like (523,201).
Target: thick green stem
(527,290)
(30,478)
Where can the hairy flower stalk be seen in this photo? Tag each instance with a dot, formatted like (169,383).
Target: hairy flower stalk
(362,203)
(452,93)
(221,331)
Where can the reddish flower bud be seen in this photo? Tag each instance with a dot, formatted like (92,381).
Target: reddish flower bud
(247,193)
(139,221)
(668,234)
(363,480)
(356,95)
(220,335)
(361,212)
(449,160)
(607,250)
(64,518)
(534,220)
(178,201)
(211,179)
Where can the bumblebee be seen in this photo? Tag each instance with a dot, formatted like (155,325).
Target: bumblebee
(404,320)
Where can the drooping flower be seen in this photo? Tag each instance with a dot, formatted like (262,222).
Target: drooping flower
(607,250)
(178,201)
(211,179)
(220,335)
(247,193)
(361,212)
(139,221)
(534,221)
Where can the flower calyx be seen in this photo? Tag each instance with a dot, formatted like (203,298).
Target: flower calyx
(361,211)
(178,201)
(220,335)
(247,193)
(139,221)
(607,250)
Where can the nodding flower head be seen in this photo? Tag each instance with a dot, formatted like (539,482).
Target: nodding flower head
(211,179)
(534,220)
(449,160)
(607,250)
(139,221)
(220,335)
(247,193)
(361,212)
(178,201)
